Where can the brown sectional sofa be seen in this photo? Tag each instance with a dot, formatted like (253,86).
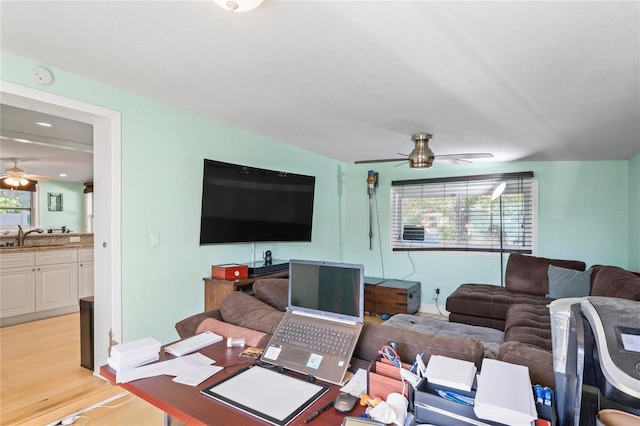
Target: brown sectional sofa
(526,319)
(520,308)
(264,311)
(526,282)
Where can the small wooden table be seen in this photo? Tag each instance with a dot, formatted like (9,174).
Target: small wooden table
(188,405)
(386,296)
(216,289)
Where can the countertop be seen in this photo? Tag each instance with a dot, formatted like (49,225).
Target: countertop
(18,249)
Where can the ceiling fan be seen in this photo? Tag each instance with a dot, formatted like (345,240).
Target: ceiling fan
(15,176)
(422,157)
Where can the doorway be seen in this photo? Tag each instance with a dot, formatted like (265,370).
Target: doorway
(107,202)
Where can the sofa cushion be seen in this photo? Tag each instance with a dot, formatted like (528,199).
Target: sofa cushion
(246,311)
(251,337)
(489,337)
(611,281)
(530,274)
(565,282)
(485,300)
(539,362)
(529,324)
(273,291)
(187,327)
(411,343)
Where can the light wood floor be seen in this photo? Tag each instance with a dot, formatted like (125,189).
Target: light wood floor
(41,379)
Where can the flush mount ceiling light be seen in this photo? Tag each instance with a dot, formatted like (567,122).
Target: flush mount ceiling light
(238,5)
(43,124)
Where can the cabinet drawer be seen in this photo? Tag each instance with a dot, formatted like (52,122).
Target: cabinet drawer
(16,260)
(52,257)
(85,255)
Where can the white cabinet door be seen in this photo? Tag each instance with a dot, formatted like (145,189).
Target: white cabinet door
(52,257)
(17,291)
(56,286)
(85,279)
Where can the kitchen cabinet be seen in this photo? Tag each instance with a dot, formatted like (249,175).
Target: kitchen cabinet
(85,272)
(37,284)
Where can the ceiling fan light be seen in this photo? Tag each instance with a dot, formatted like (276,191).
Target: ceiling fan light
(238,5)
(23,181)
(12,181)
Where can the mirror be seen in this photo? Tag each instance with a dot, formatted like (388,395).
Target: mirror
(54,202)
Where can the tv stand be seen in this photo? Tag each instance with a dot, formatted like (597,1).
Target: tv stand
(216,289)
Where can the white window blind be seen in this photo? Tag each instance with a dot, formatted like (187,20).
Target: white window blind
(459,214)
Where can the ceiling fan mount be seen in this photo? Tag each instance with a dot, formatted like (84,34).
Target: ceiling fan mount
(422,157)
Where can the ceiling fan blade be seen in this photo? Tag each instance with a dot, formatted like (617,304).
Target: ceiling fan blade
(452,161)
(37,177)
(467,156)
(384,160)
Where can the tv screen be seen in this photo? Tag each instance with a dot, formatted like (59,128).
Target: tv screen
(247,204)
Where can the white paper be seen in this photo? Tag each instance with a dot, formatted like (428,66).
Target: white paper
(195,376)
(504,393)
(357,385)
(191,368)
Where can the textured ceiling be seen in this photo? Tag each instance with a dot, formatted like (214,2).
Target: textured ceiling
(352,80)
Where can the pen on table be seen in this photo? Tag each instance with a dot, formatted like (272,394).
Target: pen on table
(320,411)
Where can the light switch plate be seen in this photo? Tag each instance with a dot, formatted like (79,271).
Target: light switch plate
(155,240)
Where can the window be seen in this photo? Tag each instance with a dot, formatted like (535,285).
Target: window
(16,207)
(459,214)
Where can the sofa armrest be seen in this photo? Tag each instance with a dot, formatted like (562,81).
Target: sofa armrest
(539,362)
(187,327)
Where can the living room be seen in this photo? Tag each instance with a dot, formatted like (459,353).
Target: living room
(588,210)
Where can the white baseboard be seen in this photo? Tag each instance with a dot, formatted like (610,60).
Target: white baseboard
(431,308)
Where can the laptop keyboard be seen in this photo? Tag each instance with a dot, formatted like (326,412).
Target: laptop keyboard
(315,337)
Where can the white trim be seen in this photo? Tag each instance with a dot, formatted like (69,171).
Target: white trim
(107,178)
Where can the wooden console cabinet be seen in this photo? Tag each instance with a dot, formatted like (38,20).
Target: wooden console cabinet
(215,289)
(391,296)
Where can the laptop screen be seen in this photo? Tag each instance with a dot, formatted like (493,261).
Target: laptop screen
(329,289)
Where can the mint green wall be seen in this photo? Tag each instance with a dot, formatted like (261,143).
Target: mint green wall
(634,213)
(72,214)
(574,221)
(162,154)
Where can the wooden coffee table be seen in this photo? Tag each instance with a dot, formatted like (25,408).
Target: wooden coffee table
(186,403)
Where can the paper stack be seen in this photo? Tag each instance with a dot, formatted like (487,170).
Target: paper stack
(126,356)
(451,372)
(504,394)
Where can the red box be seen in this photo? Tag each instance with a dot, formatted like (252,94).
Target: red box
(229,271)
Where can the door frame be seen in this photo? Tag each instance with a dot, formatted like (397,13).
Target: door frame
(107,143)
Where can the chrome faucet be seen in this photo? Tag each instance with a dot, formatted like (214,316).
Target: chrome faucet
(22,235)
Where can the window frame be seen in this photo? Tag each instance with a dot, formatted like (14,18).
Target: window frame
(437,188)
(35,196)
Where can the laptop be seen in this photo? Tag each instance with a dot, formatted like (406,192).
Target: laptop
(323,321)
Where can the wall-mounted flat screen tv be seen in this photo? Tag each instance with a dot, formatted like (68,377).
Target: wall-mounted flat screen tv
(242,204)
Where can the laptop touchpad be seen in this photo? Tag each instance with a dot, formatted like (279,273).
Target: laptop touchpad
(295,356)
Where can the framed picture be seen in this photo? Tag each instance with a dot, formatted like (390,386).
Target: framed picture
(54,202)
